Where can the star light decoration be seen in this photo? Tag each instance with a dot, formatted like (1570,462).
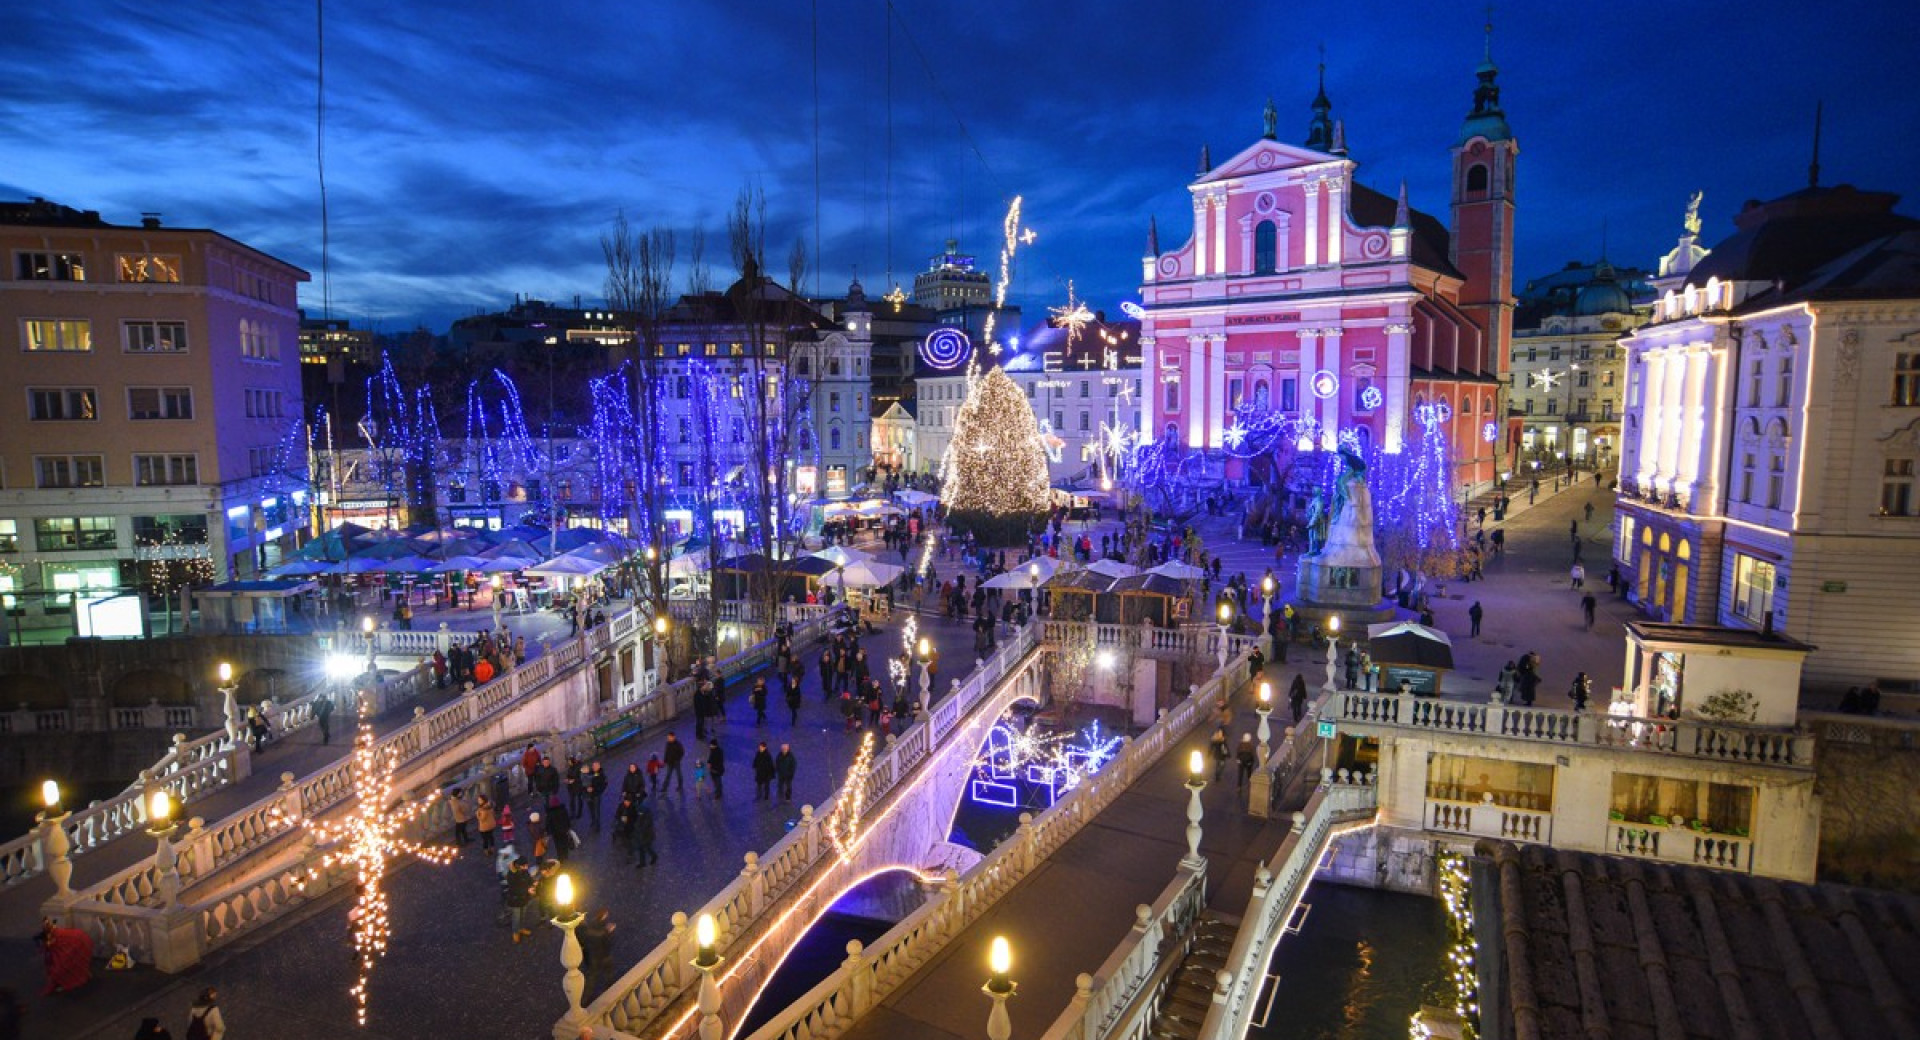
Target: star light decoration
(367,839)
(1074,317)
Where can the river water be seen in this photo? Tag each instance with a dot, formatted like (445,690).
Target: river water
(1360,966)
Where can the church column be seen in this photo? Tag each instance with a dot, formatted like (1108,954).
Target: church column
(1693,405)
(1312,259)
(1673,387)
(1309,364)
(1327,409)
(1336,214)
(1220,234)
(1154,406)
(1394,376)
(1193,390)
(1201,206)
(1652,390)
(1216,389)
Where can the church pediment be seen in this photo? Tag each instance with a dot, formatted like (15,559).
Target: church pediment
(1267,156)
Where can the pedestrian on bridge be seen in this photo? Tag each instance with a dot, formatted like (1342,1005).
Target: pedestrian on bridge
(674,754)
(758,698)
(1297,698)
(1220,751)
(323,714)
(717,766)
(1587,605)
(784,766)
(640,842)
(1474,614)
(763,773)
(596,781)
(576,789)
(793,695)
(1248,758)
(485,821)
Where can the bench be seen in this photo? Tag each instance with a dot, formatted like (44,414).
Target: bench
(614,732)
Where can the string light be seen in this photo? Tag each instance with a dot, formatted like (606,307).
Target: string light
(367,838)
(843,824)
(998,460)
(1462,979)
(1074,317)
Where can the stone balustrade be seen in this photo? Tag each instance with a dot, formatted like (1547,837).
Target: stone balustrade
(1123,997)
(1489,820)
(1680,845)
(1690,738)
(1148,639)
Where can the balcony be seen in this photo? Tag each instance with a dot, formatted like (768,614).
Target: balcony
(1488,819)
(1676,844)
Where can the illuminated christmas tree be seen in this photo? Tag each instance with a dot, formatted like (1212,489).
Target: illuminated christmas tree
(996,466)
(1418,527)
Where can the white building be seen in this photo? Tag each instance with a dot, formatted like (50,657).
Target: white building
(1085,395)
(1773,430)
(1569,373)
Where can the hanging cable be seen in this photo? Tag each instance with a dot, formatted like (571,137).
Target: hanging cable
(320,150)
(816,149)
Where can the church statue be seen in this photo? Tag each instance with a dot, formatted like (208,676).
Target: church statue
(1692,220)
(1316,523)
(1271,118)
(1349,538)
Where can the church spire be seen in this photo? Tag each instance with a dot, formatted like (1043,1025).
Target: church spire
(1320,128)
(1206,160)
(1486,119)
(1813,168)
(1153,237)
(1401,216)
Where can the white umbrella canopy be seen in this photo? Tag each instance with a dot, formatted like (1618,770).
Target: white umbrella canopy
(865,574)
(915,498)
(841,556)
(303,568)
(1020,579)
(570,566)
(461,563)
(1047,564)
(1178,571)
(1113,568)
(506,565)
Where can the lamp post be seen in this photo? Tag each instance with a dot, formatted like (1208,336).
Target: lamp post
(227,689)
(663,647)
(53,838)
(573,983)
(1333,649)
(999,987)
(160,828)
(1196,782)
(1226,618)
(1033,587)
(706,962)
(1266,599)
(1264,708)
(366,629)
(925,652)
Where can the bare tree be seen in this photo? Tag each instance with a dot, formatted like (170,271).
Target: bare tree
(639,286)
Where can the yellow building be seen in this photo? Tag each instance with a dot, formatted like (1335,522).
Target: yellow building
(153,434)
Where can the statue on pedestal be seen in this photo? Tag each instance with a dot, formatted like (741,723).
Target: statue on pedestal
(1349,538)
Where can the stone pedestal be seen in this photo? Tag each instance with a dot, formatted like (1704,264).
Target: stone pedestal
(1352,592)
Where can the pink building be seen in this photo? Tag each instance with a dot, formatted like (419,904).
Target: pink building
(1305,294)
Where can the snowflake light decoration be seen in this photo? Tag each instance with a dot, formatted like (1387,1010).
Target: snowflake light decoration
(1074,317)
(1546,379)
(367,839)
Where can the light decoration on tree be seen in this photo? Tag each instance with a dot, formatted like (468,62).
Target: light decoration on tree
(843,824)
(1463,979)
(366,839)
(1417,518)
(499,447)
(996,462)
(1074,317)
(945,347)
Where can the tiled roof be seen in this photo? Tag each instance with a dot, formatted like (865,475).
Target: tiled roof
(1581,945)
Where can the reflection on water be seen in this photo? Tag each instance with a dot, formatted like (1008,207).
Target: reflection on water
(1362,965)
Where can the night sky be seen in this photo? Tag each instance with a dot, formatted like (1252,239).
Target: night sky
(476,150)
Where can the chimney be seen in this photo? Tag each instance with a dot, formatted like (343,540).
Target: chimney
(149,220)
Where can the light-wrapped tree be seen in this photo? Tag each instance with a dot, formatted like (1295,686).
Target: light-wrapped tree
(996,465)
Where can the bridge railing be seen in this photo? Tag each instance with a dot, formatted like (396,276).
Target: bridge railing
(1692,738)
(1149,639)
(869,975)
(1343,803)
(1122,999)
(649,987)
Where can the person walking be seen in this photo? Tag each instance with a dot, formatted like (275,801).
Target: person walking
(1297,698)
(634,783)
(716,767)
(763,774)
(576,789)
(1248,758)
(204,1021)
(596,781)
(1578,576)
(462,815)
(671,758)
(1474,614)
(758,698)
(596,947)
(642,840)
(793,699)
(784,766)
(1581,691)
(1220,751)
(323,714)
(1589,512)
(623,816)
(1587,606)
(484,821)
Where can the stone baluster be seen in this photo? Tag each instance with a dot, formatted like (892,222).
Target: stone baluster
(809,835)
(197,849)
(683,940)
(859,987)
(1027,842)
(756,885)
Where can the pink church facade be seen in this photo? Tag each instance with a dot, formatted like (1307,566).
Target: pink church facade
(1305,293)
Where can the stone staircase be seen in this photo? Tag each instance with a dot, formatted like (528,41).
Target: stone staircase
(1189,995)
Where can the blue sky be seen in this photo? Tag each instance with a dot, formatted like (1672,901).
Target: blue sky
(476,150)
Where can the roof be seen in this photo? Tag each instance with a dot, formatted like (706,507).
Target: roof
(1430,244)
(1582,945)
(1149,584)
(1886,268)
(1088,581)
(1714,635)
(38,212)
(1788,238)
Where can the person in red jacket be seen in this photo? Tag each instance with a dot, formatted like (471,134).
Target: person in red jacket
(68,953)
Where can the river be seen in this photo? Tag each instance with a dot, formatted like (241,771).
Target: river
(1359,968)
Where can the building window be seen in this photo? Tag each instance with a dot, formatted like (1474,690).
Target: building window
(9,536)
(70,533)
(1606,377)
(1746,478)
(1606,409)
(1906,380)
(833,366)
(1584,378)
(56,334)
(1085,388)
(1264,247)
(833,439)
(67,404)
(164,402)
(739,431)
(1553,406)
(1477,177)
(1553,352)
(833,401)
(1753,582)
(155,337)
(1776,480)
(264,404)
(686,474)
(1753,386)
(1533,353)
(1896,488)
(1085,422)
(1529,406)
(51,267)
(682,387)
(165,470)
(1030,387)
(1783,395)
(179,528)
(686,434)
(1289,394)
(1113,388)
(148,267)
(1173,396)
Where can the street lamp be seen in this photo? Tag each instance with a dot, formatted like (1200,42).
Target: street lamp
(1226,618)
(1266,597)
(160,828)
(53,838)
(1333,648)
(1196,782)
(366,629)
(1264,708)
(229,705)
(663,647)
(706,962)
(925,650)
(999,987)
(573,983)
